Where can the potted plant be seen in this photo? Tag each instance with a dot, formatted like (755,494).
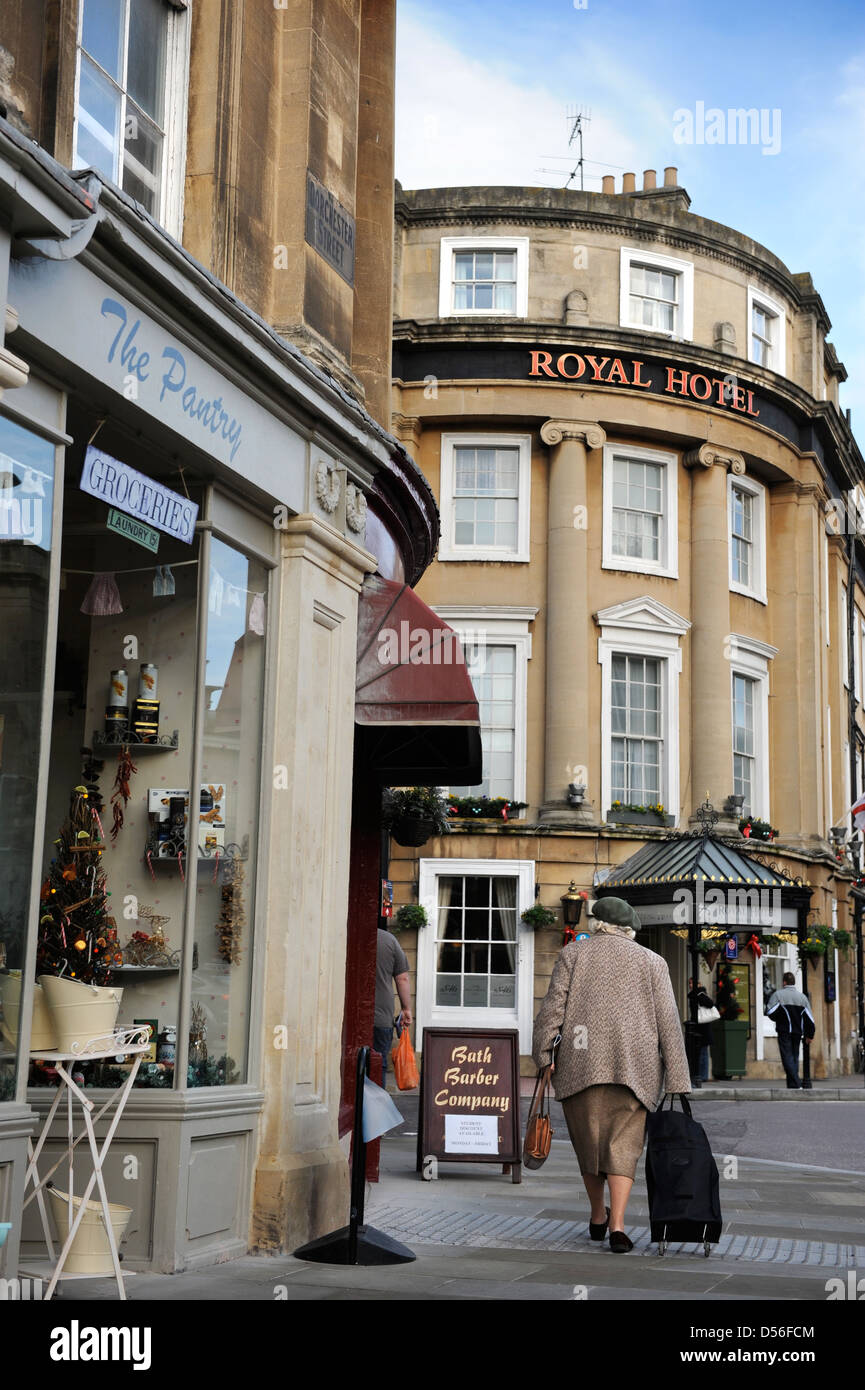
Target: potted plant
(485,807)
(710,948)
(818,940)
(409,917)
(730,1034)
(755,829)
(636,813)
(537,916)
(414,814)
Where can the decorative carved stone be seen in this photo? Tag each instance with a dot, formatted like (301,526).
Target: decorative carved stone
(327,486)
(576,308)
(355,509)
(709,454)
(592,435)
(725,338)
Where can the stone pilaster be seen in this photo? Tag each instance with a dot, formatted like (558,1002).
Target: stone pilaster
(711,704)
(569,627)
(301,1183)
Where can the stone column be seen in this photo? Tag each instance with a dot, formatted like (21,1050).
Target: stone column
(569,626)
(301,1182)
(796,735)
(711,698)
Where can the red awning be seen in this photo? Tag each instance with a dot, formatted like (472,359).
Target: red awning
(415,705)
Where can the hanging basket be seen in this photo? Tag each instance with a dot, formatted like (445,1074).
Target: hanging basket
(413,831)
(710,958)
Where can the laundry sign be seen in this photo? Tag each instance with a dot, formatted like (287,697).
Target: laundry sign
(138,496)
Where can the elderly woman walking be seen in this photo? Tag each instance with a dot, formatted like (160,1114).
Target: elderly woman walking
(613,1004)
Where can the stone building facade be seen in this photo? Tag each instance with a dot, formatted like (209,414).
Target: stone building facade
(630,418)
(195,277)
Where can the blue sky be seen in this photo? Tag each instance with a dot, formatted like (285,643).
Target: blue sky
(483,90)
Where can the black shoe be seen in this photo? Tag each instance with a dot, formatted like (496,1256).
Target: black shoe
(598,1229)
(620,1244)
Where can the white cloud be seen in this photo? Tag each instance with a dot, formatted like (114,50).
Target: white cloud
(464,121)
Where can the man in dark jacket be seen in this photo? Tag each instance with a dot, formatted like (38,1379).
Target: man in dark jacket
(791,1014)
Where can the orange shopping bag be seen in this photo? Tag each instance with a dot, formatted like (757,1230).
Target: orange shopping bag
(404,1064)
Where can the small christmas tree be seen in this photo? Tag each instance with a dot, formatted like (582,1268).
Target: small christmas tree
(727,1004)
(77,939)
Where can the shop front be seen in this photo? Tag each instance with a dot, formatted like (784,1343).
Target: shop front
(189,512)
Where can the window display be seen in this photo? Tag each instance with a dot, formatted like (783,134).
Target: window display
(138,872)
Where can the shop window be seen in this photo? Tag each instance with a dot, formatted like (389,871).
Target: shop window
(656,293)
(766,331)
(171,709)
(26,501)
(640,511)
(130,99)
(484,275)
(485,497)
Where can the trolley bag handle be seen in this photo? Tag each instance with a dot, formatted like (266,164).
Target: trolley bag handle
(686,1104)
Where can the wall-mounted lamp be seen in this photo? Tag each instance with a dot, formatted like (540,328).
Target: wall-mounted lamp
(572,906)
(576,794)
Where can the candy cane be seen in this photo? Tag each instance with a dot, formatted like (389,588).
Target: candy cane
(216,866)
(148,857)
(180,864)
(98,821)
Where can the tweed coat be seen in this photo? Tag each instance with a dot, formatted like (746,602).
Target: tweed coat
(613,1003)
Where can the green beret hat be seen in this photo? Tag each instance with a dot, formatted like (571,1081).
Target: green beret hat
(615,911)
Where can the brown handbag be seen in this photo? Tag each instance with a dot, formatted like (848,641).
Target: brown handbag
(539,1127)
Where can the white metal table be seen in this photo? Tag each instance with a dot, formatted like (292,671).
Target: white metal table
(131,1042)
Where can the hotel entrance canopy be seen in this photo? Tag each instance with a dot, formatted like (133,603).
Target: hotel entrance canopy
(697,880)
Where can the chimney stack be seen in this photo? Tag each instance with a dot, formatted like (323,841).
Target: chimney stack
(671,176)
(650,179)
(608,183)
(628,183)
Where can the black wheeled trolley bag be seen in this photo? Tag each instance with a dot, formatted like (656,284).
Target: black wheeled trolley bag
(682,1179)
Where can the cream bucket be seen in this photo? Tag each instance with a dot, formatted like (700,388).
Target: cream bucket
(42,1033)
(80,1012)
(90,1252)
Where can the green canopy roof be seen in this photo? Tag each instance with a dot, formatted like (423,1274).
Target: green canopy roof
(687,859)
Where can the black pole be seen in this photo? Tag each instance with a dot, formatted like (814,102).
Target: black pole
(860,979)
(358,1160)
(692,1035)
(802,932)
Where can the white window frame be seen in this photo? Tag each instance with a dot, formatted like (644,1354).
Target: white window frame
(431,1015)
(778,355)
(857,654)
(169,213)
(750,658)
(500,627)
(668,564)
(447,550)
(635,255)
(451,244)
(842,627)
(765,1028)
(757,590)
(643,627)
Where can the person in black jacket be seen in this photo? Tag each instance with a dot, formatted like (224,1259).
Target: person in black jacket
(704,1030)
(791,1014)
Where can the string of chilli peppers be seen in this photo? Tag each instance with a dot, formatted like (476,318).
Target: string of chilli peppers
(122,792)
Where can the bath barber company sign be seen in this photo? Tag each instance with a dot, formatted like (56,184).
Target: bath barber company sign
(469,1100)
(635,373)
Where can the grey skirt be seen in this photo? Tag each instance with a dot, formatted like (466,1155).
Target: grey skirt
(607,1125)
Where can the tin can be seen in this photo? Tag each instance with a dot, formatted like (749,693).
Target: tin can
(118,693)
(148,678)
(148,710)
(166,1046)
(116,721)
